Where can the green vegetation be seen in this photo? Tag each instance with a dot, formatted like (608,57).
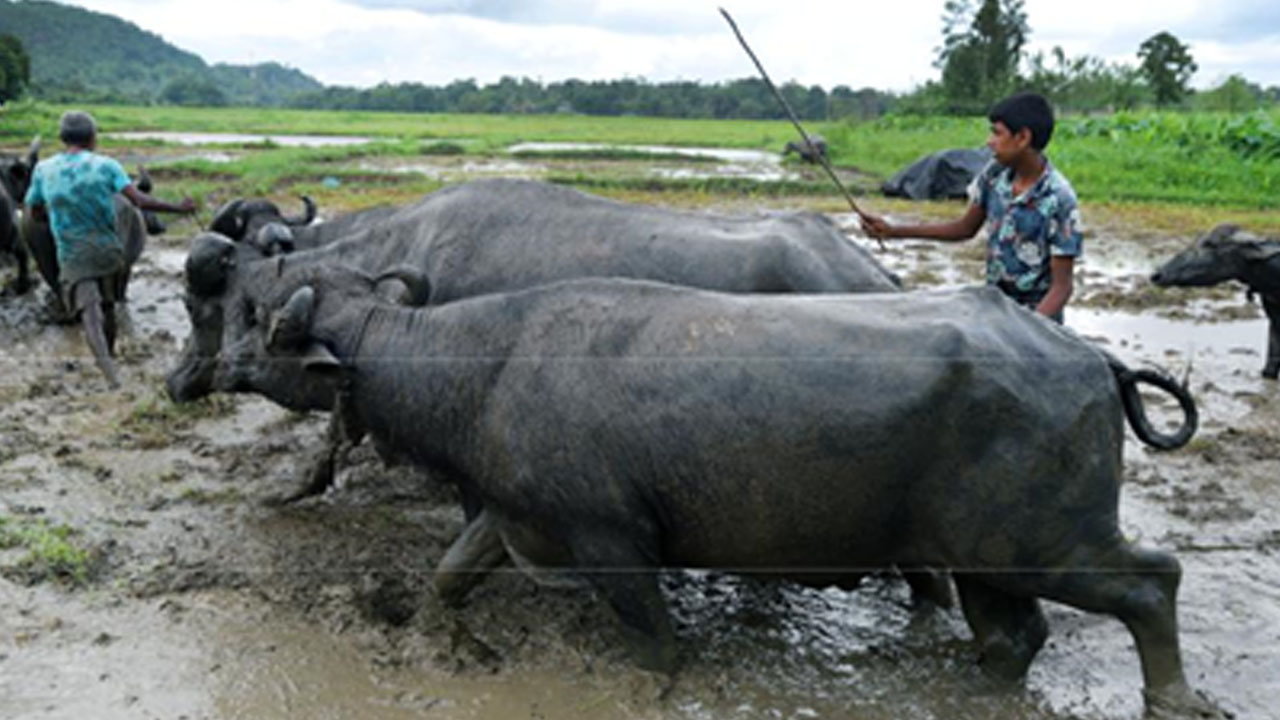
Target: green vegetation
(15,68)
(1206,159)
(82,56)
(153,421)
(51,550)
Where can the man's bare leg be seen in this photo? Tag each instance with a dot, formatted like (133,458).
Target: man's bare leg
(89,300)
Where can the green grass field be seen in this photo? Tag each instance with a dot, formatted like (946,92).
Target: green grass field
(1197,166)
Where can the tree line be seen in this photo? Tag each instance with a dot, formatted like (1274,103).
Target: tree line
(982,58)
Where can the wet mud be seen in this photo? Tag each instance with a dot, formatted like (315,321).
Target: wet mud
(193,596)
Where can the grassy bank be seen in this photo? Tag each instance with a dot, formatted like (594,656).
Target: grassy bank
(1225,165)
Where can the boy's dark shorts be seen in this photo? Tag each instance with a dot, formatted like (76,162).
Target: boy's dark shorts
(89,291)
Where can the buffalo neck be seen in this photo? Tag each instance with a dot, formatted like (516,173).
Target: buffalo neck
(412,386)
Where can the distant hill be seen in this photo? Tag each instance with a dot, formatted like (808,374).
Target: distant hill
(84,56)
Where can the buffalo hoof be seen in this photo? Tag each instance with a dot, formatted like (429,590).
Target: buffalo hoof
(1182,703)
(319,479)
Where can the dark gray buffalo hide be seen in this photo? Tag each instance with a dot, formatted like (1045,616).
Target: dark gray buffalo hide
(612,427)
(15,178)
(242,219)
(814,151)
(495,235)
(1226,253)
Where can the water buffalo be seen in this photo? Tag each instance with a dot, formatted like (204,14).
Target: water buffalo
(809,153)
(242,219)
(15,177)
(494,235)
(1228,254)
(612,427)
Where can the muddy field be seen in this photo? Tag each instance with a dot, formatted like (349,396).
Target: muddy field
(196,597)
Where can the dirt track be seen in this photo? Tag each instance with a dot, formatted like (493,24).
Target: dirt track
(200,601)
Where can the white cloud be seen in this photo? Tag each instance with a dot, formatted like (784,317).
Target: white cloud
(883,45)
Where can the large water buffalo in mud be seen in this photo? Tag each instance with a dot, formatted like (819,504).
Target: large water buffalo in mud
(1226,253)
(496,235)
(15,177)
(613,427)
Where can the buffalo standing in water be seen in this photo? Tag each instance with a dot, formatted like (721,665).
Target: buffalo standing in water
(1227,254)
(613,427)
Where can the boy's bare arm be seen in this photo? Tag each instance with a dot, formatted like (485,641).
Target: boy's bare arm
(1061,285)
(962,229)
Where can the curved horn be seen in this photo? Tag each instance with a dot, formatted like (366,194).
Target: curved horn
(290,325)
(307,216)
(415,280)
(273,239)
(227,220)
(211,256)
(33,153)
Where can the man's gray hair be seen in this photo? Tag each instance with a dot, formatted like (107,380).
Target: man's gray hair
(77,128)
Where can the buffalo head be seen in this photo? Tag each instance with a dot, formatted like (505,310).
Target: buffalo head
(1225,253)
(276,343)
(241,219)
(247,333)
(16,172)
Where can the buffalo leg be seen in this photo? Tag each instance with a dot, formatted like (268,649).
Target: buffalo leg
(342,434)
(23,283)
(1271,304)
(929,587)
(630,584)
(477,550)
(1008,629)
(1139,587)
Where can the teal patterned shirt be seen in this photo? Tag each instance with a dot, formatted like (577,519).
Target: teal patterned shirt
(1025,232)
(79,189)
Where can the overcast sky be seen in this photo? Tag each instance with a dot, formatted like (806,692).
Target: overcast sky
(886,45)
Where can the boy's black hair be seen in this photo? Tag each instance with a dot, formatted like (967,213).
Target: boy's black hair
(1026,110)
(77,128)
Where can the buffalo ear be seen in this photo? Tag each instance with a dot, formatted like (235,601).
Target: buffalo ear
(318,358)
(291,324)
(1261,251)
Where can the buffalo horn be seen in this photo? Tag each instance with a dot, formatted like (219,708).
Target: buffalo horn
(415,280)
(290,325)
(309,214)
(227,220)
(33,154)
(207,263)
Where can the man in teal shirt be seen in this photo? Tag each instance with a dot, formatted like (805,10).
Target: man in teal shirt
(75,193)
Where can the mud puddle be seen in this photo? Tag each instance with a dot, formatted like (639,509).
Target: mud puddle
(201,601)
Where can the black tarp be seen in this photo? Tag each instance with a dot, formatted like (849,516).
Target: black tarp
(941,175)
